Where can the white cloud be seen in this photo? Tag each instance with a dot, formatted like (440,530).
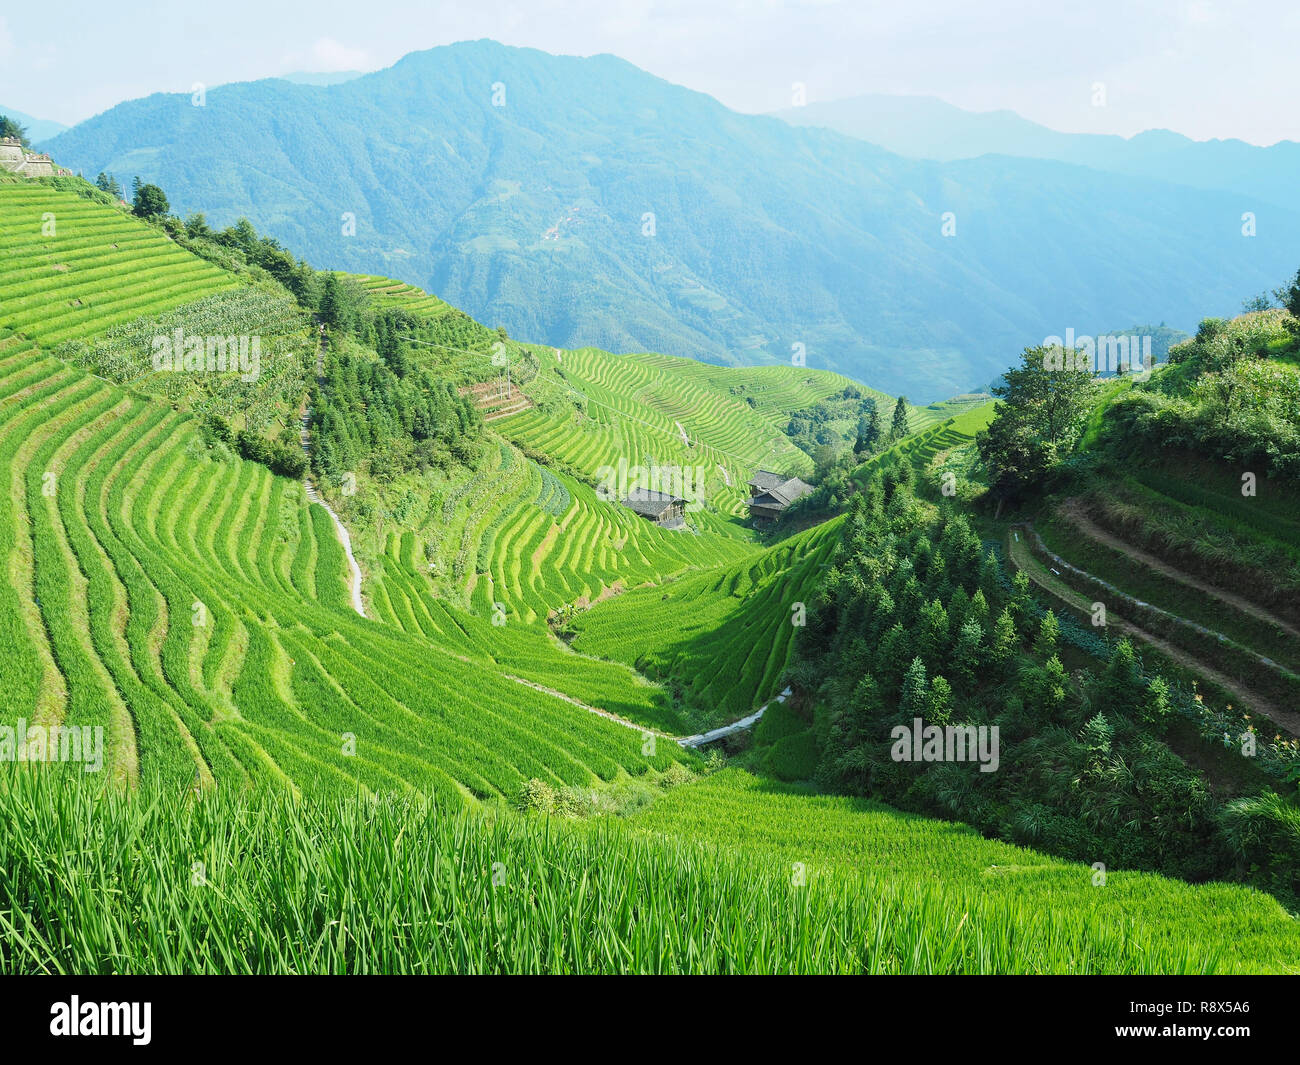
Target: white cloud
(327,54)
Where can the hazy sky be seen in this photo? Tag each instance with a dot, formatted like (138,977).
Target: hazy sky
(1207,68)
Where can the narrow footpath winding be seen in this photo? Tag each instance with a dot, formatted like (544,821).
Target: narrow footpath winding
(304,437)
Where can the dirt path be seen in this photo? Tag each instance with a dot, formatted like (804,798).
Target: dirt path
(304,437)
(1072,510)
(1034,568)
(643,729)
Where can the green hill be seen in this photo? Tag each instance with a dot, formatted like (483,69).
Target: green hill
(480,773)
(588,203)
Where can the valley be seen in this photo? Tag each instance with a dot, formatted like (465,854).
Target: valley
(376,640)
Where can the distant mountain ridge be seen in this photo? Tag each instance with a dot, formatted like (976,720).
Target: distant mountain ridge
(925,127)
(37,128)
(586,202)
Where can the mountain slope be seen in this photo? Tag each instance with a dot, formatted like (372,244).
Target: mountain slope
(924,127)
(765,238)
(38,129)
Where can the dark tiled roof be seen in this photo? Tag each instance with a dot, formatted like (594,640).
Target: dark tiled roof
(782,494)
(791,490)
(766,479)
(649,503)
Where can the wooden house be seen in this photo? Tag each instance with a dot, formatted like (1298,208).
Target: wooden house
(771,493)
(661,508)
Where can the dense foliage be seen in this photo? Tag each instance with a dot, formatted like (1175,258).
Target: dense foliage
(1045,401)
(1233,393)
(913,622)
(389,416)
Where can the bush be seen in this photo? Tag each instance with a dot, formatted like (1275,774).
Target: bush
(1264,832)
(794,757)
(535,796)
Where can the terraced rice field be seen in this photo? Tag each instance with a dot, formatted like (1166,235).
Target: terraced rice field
(385,292)
(775,390)
(96,269)
(533,539)
(728,875)
(723,637)
(198,611)
(921,448)
(640,413)
(1009,902)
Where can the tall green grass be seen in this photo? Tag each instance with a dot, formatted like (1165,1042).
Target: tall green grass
(98,881)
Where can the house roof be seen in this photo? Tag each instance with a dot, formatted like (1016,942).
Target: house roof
(649,503)
(765,479)
(791,490)
(781,495)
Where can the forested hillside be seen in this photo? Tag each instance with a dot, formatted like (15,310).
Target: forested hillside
(583,202)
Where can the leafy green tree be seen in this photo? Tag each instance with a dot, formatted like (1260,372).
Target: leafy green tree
(241,235)
(1289,296)
(150,202)
(1045,402)
(10,127)
(196,226)
(108,183)
(823,462)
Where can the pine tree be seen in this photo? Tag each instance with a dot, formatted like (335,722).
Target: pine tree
(868,428)
(1122,686)
(330,308)
(913,698)
(968,655)
(1021,598)
(939,702)
(892,657)
(1005,643)
(959,605)
(898,427)
(1049,636)
(990,578)
(934,633)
